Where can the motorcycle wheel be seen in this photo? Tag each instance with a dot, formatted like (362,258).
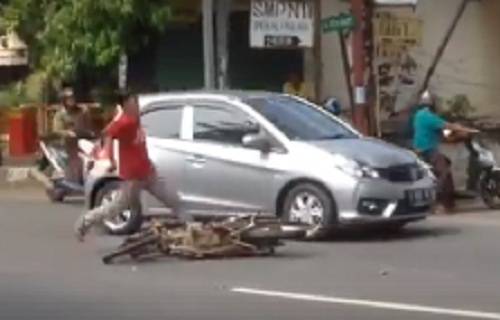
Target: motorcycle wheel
(489,189)
(55,195)
(135,249)
(273,234)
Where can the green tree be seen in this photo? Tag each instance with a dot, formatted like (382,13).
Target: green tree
(64,35)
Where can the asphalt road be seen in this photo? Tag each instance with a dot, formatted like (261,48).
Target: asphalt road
(445,268)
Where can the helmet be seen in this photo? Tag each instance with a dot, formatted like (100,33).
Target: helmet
(427,98)
(333,106)
(67,93)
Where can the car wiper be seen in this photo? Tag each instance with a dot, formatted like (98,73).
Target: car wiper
(337,136)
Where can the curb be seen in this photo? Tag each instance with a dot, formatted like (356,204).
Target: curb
(23,175)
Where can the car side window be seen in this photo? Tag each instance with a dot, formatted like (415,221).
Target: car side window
(163,122)
(220,123)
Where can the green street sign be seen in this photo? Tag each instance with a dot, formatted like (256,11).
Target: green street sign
(339,23)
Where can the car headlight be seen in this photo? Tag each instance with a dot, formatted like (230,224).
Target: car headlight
(426,168)
(355,168)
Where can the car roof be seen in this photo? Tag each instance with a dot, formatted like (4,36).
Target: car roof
(146,99)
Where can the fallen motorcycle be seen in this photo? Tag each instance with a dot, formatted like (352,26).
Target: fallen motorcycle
(237,236)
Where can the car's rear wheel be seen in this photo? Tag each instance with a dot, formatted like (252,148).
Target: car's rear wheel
(128,221)
(310,204)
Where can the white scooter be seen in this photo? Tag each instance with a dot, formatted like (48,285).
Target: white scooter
(55,159)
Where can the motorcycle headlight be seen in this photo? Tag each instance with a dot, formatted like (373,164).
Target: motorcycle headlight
(355,169)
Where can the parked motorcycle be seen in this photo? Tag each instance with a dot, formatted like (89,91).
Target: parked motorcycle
(483,170)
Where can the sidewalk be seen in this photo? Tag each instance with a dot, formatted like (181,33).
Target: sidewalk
(16,171)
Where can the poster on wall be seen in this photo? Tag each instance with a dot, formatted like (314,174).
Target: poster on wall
(396,38)
(281,24)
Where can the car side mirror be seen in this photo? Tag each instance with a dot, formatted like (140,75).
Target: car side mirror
(252,127)
(257,141)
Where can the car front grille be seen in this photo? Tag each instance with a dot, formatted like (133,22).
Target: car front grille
(404,209)
(403,173)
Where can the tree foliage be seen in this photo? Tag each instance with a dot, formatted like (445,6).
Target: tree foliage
(64,35)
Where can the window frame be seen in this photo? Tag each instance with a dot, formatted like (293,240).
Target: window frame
(200,103)
(314,106)
(166,105)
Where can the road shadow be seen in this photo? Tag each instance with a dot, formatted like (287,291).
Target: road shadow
(281,253)
(473,208)
(412,233)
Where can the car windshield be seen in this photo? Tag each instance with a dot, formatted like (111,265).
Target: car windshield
(299,120)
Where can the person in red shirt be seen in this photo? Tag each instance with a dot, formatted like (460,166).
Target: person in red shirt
(135,169)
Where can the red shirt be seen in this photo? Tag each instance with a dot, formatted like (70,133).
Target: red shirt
(134,161)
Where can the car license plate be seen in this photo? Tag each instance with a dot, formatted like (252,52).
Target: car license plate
(420,197)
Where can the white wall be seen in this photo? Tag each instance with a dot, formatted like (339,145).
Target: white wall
(334,83)
(471,64)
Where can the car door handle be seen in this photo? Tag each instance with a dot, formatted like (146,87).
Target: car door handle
(197,159)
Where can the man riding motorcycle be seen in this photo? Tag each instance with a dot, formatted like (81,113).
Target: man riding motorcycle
(69,122)
(427,135)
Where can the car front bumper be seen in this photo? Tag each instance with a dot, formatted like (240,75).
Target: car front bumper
(379,201)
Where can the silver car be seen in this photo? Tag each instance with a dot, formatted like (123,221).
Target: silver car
(227,153)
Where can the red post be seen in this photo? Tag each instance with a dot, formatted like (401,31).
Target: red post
(17,147)
(23,137)
(360,116)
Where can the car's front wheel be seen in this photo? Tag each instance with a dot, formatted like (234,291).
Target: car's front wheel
(128,221)
(310,204)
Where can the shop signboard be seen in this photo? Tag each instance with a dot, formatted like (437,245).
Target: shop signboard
(396,37)
(281,23)
(391,28)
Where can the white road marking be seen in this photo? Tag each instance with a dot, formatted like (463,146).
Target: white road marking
(370,303)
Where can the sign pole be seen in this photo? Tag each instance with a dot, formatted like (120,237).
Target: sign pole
(208,43)
(317,52)
(347,69)
(222,12)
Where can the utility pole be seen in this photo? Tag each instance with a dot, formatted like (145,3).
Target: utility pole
(360,116)
(122,71)
(208,43)
(317,52)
